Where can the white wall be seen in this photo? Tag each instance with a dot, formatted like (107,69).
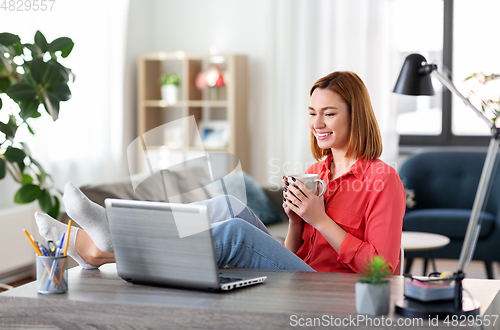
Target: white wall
(231,26)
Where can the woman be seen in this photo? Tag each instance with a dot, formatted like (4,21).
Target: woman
(359,216)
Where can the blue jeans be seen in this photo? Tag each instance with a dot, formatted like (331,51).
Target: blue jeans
(241,240)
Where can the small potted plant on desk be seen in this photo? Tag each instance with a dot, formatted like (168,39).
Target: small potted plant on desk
(373,290)
(169,85)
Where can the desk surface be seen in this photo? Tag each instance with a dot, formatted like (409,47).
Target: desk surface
(419,241)
(101,299)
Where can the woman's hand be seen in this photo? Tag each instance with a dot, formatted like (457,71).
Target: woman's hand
(303,203)
(292,216)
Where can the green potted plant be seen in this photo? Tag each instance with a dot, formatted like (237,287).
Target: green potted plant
(373,290)
(30,76)
(169,87)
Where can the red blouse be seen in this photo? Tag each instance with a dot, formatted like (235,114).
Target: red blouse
(368,202)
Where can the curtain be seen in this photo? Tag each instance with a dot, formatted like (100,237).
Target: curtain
(312,39)
(85,145)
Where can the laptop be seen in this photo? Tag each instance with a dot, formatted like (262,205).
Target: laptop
(167,244)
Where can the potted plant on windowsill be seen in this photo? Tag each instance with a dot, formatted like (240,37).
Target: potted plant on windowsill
(169,87)
(373,290)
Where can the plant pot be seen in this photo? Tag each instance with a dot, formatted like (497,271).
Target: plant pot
(372,299)
(169,93)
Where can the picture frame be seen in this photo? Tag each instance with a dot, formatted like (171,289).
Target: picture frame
(214,134)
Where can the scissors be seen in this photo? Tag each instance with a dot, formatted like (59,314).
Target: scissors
(52,248)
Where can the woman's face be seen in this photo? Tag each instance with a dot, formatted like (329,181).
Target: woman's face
(329,119)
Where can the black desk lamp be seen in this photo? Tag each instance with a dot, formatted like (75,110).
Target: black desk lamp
(415,79)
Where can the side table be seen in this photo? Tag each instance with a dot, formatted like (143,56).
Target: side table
(420,241)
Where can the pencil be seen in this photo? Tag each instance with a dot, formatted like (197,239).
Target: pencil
(70,222)
(33,243)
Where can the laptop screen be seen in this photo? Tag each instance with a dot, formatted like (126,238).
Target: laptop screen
(163,243)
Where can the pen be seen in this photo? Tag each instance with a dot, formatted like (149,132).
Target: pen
(54,263)
(58,250)
(42,249)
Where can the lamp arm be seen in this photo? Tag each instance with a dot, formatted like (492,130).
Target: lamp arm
(474,225)
(449,84)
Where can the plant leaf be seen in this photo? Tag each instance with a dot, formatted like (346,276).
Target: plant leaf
(10,128)
(1,104)
(45,201)
(64,44)
(4,84)
(61,90)
(65,72)
(21,92)
(28,108)
(18,48)
(27,179)
(27,194)
(37,67)
(7,130)
(36,52)
(14,155)
(8,39)
(3,168)
(54,212)
(52,73)
(51,103)
(5,62)
(40,41)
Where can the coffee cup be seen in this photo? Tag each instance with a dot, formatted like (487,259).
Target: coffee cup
(311,181)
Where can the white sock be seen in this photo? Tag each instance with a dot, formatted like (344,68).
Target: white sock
(48,227)
(89,215)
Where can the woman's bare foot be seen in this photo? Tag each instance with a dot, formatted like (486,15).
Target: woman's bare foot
(88,250)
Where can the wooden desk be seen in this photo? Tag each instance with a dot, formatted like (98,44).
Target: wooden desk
(419,241)
(102,300)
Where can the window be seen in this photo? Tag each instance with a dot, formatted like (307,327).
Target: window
(475,49)
(456,35)
(418,115)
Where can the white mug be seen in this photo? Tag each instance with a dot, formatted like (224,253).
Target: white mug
(311,181)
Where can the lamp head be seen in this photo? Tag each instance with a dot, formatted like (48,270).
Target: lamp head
(415,78)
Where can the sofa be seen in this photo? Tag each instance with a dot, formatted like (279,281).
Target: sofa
(189,185)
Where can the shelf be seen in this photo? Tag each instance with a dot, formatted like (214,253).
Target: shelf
(201,103)
(216,115)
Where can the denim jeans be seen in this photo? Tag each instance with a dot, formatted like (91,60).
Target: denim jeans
(241,240)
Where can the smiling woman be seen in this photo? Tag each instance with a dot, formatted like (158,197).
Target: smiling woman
(359,216)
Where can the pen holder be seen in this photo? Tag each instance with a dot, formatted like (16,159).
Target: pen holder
(52,274)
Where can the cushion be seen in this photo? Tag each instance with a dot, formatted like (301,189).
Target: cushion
(449,222)
(256,198)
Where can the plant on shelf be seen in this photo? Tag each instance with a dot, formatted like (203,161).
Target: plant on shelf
(373,290)
(212,78)
(169,87)
(493,105)
(30,76)
(170,79)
